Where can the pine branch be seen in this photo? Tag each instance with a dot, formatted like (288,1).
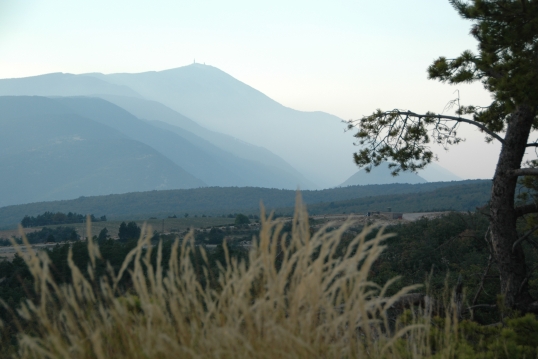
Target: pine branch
(458,119)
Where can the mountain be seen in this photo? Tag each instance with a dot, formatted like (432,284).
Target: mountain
(251,136)
(218,159)
(60,84)
(47,152)
(312,142)
(381,175)
(197,156)
(256,165)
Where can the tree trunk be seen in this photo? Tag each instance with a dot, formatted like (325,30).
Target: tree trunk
(511,263)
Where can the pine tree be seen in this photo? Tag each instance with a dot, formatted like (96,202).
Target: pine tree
(128,231)
(507,66)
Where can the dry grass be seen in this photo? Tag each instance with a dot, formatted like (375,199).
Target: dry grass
(295,299)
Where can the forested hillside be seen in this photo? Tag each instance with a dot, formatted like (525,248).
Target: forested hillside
(453,198)
(218,201)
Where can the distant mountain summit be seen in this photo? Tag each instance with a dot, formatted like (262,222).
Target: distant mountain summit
(381,175)
(314,143)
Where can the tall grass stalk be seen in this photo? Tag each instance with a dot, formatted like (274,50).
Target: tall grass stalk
(295,298)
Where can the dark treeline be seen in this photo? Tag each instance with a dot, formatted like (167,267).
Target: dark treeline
(452,198)
(58,234)
(51,218)
(46,234)
(6,242)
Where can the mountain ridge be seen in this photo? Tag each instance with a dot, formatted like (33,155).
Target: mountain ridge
(175,122)
(229,106)
(58,154)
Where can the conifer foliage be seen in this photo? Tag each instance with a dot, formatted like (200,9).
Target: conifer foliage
(507,65)
(129,231)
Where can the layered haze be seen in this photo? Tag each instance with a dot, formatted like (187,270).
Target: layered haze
(314,143)
(49,152)
(188,127)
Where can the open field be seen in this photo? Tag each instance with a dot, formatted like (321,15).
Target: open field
(9,252)
(178,225)
(170,225)
(181,225)
(9,233)
(167,225)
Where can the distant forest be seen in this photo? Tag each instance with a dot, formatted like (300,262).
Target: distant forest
(216,201)
(453,198)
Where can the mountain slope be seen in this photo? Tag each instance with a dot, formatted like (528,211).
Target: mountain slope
(312,142)
(48,152)
(176,148)
(259,167)
(60,84)
(196,155)
(240,164)
(313,145)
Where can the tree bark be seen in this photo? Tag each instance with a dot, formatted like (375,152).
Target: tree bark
(511,261)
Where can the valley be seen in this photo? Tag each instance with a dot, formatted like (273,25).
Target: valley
(169,228)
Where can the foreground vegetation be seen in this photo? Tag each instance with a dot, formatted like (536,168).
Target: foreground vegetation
(296,293)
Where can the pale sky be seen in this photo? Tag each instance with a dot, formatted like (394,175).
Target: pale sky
(343,57)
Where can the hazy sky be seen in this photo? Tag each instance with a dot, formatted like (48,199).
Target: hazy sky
(343,57)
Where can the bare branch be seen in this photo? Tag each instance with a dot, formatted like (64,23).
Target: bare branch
(534,144)
(525,236)
(524,172)
(484,276)
(530,273)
